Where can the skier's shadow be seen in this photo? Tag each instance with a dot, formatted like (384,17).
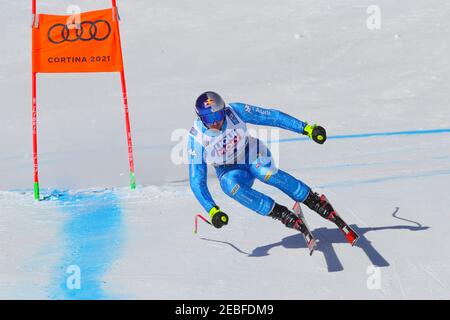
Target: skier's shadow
(328,237)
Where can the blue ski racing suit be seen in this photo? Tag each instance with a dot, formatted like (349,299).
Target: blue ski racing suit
(239,158)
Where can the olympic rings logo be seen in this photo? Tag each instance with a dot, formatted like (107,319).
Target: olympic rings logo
(86,31)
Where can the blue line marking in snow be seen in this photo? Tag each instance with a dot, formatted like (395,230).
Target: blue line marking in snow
(345,136)
(384,179)
(92,238)
(369,135)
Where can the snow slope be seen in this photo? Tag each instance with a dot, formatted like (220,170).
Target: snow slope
(316,60)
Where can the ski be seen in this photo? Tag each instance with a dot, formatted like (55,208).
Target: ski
(308,236)
(350,234)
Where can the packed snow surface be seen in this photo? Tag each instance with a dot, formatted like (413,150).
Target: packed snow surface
(316,60)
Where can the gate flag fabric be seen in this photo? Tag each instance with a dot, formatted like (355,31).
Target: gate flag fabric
(62,45)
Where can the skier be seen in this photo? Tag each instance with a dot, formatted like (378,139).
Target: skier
(219,137)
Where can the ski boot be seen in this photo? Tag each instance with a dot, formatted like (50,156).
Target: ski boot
(322,206)
(293,221)
(288,218)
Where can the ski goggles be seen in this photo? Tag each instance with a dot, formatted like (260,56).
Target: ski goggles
(212,117)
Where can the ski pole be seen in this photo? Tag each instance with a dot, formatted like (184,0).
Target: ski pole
(196,222)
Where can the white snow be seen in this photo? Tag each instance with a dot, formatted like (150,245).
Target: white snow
(316,60)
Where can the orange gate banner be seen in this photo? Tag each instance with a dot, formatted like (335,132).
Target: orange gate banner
(87,43)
